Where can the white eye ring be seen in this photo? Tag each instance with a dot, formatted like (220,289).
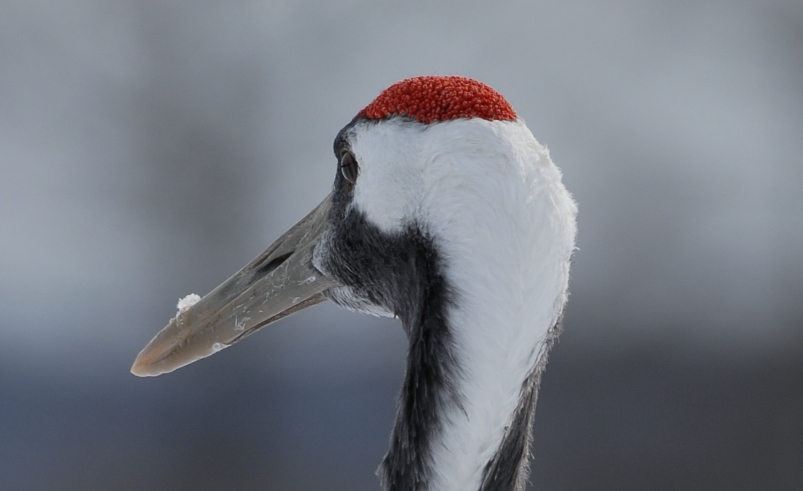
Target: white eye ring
(349,167)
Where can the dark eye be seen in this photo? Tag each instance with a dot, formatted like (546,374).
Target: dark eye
(349,167)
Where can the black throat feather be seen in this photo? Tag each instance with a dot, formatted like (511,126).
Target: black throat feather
(401,273)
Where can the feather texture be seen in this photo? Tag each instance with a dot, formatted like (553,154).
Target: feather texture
(491,201)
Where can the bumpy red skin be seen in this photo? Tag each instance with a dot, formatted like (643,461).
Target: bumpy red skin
(432,99)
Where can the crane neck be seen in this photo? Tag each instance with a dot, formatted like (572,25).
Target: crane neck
(468,399)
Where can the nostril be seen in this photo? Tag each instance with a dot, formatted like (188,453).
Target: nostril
(273,263)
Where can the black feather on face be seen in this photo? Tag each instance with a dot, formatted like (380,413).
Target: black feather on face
(389,274)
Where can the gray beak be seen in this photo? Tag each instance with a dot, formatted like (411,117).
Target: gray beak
(279,282)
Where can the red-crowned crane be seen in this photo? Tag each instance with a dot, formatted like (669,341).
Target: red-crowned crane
(447,214)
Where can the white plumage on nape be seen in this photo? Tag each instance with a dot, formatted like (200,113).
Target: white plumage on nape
(448,214)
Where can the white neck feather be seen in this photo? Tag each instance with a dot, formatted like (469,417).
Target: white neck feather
(493,203)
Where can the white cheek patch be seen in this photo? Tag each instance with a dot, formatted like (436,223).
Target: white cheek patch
(388,189)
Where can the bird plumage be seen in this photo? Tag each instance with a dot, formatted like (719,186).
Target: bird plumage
(485,199)
(451,217)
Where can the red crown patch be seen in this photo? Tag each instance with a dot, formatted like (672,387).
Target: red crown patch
(432,99)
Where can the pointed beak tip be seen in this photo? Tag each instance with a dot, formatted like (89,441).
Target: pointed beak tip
(141,368)
(150,363)
(139,372)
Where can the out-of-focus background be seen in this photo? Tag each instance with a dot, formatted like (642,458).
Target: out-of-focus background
(150,149)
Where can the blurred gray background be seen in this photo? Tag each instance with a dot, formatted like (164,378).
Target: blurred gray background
(150,149)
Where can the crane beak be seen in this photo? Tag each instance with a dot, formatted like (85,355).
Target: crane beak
(279,282)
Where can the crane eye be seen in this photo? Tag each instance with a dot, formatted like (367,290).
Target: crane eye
(349,167)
